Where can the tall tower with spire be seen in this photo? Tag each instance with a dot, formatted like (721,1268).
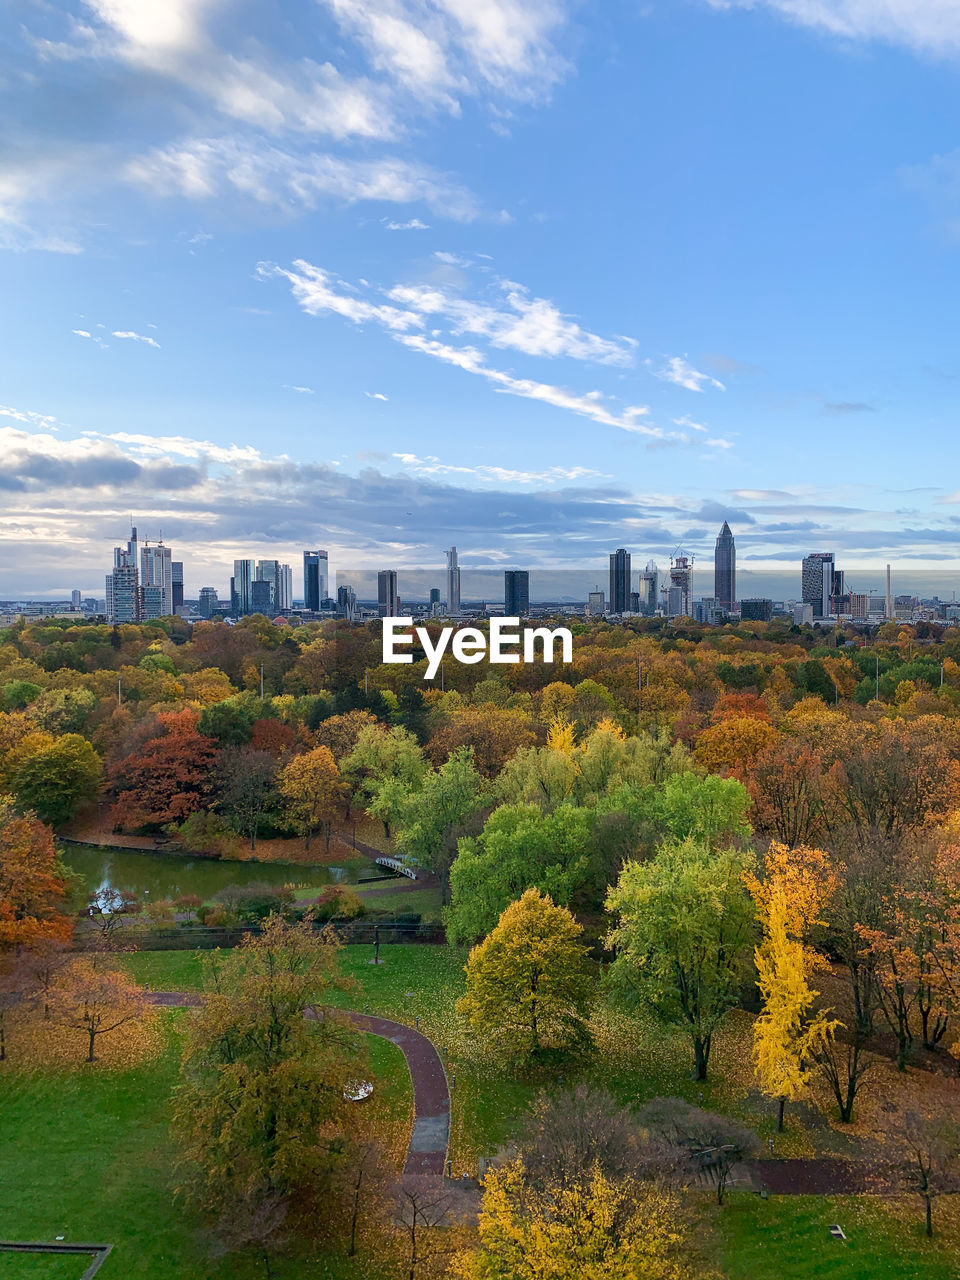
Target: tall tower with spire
(725,569)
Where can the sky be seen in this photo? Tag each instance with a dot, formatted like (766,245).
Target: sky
(538,278)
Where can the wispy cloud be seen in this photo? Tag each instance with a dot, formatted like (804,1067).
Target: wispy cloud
(135,337)
(303,391)
(432,466)
(375,395)
(90,337)
(681,373)
(930,26)
(844,407)
(414,224)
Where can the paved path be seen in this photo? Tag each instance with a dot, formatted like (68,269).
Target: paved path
(427,1152)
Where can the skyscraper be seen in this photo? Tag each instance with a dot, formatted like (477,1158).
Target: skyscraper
(649,588)
(123,584)
(817,582)
(620,581)
(388,599)
(453,583)
(177,568)
(315,579)
(208,601)
(156,581)
(269,571)
(678,600)
(516,593)
(244,576)
(725,569)
(346,603)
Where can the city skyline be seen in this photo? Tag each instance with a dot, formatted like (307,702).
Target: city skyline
(475,299)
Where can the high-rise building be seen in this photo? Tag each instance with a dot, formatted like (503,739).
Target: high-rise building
(346,603)
(596,604)
(271,571)
(388,599)
(620,581)
(177,579)
(678,599)
(756,610)
(649,589)
(285,588)
(516,593)
(453,583)
(817,582)
(315,579)
(244,576)
(76,596)
(725,569)
(208,602)
(123,584)
(156,581)
(261,596)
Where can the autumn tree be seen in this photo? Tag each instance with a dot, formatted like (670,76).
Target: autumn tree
(314,790)
(494,733)
(527,988)
(790,900)
(431,820)
(95,1001)
(248,782)
(384,768)
(733,745)
(32,886)
(684,934)
(931,1142)
(597,1228)
(53,780)
(165,777)
(260,1110)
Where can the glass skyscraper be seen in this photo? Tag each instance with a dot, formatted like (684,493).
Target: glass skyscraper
(725,569)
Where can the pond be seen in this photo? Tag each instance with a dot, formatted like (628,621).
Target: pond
(165,875)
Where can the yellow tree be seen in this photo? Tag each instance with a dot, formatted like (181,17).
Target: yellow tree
(527,987)
(95,1002)
(787,1032)
(595,1229)
(560,735)
(314,789)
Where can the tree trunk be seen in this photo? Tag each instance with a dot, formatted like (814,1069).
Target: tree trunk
(928,1208)
(783,1103)
(92,1037)
(701,1056)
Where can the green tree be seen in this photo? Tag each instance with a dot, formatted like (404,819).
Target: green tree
(528,992)
(54,780)
(259,1112)
(432,819)
(519,848)
(384,768)
(685,933)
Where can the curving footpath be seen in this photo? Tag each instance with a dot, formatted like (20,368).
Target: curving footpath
(427,1152)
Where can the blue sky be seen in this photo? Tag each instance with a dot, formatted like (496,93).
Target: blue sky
(535,277)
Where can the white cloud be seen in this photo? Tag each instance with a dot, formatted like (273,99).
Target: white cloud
(681,373)
(43,420)
(688,422)
(135,337)
(92,337)
(413,225)
(376,395)
(205,168)
(931,26)
(432,466)
(316,291)
(304,391)
(180,446)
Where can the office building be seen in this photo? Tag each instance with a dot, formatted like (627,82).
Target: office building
(315,580)
(678,599)
(75,598)
(241,587)
(725,569)
(123,584)
(388,599)
(620,581)
(596,604)
(346,603)
(803,615)
(710,611)
(177,580)
(649,589)
(756,610)
(817,582)
(208,603)
(285,588)
(453,583)
(156,577)
(516,593)
(434,596)
(271,572)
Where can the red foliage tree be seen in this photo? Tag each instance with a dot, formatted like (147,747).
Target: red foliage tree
(31,891)
(168,777)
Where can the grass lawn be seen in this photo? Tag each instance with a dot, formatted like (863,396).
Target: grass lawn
(87,1155)
(25,1266)
(787,1237)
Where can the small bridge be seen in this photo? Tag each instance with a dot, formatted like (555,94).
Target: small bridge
(401,868)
